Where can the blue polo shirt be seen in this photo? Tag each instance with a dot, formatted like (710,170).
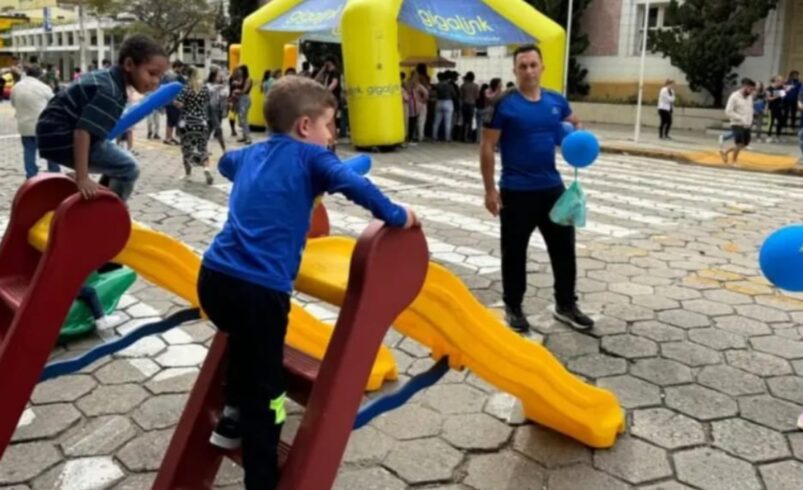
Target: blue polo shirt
(529,133)
(275,185)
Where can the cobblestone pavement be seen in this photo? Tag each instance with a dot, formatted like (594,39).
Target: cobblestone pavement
(703,354)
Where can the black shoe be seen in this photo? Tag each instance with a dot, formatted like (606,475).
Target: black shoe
(516,319)
(226,434)
(573,317)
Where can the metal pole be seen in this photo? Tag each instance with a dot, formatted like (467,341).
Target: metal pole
(637,132)
(81,37)
(568,49)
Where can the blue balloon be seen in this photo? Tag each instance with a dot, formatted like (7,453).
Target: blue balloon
(360,164)
(781,258)
(580,149)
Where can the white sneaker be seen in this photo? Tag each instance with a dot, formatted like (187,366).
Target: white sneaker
(108,321)
(721,139)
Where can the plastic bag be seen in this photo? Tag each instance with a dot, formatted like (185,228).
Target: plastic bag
(570,209)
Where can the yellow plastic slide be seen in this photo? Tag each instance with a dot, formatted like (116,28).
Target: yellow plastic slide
(451,322)
(171,265)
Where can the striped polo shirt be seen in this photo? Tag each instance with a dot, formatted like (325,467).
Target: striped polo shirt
(93,103)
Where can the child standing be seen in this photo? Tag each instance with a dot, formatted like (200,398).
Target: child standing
(248,272)
(72,130)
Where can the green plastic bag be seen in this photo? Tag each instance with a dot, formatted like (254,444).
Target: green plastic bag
(570,209)
(110,287)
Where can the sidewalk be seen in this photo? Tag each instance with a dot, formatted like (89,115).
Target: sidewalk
(699,148)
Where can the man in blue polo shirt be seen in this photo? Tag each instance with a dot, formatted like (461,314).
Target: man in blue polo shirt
(525,122)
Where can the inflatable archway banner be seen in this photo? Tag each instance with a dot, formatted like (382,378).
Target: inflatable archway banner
(377,34)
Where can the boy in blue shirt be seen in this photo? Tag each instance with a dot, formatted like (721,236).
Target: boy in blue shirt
(248,272)
(72,129)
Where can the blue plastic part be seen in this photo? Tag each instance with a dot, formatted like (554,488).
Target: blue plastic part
(67,366)
(158,99)
(360,164)
(396,399)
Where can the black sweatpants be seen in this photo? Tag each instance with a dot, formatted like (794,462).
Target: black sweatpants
(777,121)
(666,123)
(255,319)
(523,212)
(790,113)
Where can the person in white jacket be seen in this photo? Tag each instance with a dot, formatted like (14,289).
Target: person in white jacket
(740,112)
(666,102)
(29,98)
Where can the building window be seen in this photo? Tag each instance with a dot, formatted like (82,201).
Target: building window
(658,19)
(70,39)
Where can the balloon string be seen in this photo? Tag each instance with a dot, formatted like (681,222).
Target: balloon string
(575,173)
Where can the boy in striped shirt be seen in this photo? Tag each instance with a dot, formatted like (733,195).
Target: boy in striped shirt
(72,129)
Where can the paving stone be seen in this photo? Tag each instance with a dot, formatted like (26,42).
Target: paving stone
(699,402)
(631,289)
(748,441)
(139,481)
(367,479)
(655,303)
(423,460)
(770,412)
(147,347)
(632,392)
(48,421)
(230,474)
(629,346)
(146,451)
(788,388)
(368,445)
(662,372)
(786,475)
(81,474)
(571,344)
(100,436)
(411,421)
(628,312)
(742,326)
(779,346)
(728,297)
(549,448)
(506,469)
(677,292)
(717,339)
(668,485)
(666,428)
(707,307)
(657,331)
(475,431)
(454,399)
(763,313)
(712,469)
(730,380)
(21,462)
(501,406)
(182,356)
(607,325)
(684,319)
(634,461)
(690,354)
(597,365)
(160,412)
(758,363)
(583,477)
(112,399)
(63,389)
(414,348)
(122,371)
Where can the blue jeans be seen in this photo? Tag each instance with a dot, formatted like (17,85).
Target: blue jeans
(29,156)
(115,164)
(243,106)
(444,111)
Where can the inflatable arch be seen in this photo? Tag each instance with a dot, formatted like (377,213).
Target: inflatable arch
(378,34)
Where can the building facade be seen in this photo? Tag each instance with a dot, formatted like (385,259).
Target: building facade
(615,30)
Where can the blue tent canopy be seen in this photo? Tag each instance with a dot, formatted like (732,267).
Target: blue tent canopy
(462,22)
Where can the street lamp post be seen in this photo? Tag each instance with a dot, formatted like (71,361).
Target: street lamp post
(568,49)
(637,131)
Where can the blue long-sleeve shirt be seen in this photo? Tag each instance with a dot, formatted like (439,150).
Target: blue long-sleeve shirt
(275,185)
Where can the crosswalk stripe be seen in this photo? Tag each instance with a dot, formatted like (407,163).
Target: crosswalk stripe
(722,181)
(600,195)
(591,182)
(476,200)
(215,215)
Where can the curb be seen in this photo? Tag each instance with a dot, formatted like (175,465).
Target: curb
(681,157)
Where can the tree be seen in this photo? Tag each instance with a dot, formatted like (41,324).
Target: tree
(558,10)
(170,22)
(238,11)
(708,39)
